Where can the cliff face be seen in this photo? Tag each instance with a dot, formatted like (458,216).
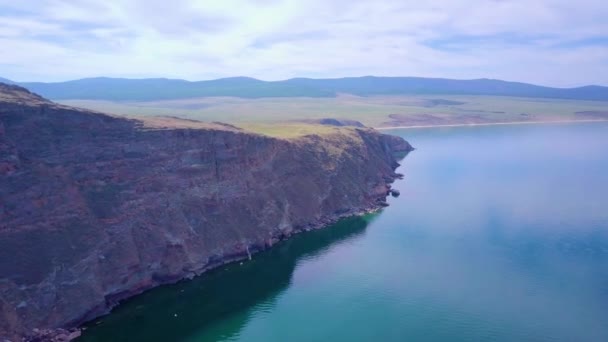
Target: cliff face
(94,208)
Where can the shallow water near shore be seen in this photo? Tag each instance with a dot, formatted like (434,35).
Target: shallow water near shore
(500,233)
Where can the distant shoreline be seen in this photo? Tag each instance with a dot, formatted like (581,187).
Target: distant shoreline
(492,124)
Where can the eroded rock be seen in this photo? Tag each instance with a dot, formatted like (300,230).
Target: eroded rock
(95,208)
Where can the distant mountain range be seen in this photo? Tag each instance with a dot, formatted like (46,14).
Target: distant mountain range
(121,89)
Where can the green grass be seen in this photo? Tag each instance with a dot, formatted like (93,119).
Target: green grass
(291,130)
(330,140)
(372,111)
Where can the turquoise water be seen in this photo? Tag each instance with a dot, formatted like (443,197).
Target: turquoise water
(500,234)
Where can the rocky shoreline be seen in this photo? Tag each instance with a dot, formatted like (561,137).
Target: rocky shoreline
(246,253)
(97,209)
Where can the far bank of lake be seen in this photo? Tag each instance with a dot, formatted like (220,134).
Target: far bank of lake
(508,123)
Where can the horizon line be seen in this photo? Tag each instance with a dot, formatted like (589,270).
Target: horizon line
(295,78)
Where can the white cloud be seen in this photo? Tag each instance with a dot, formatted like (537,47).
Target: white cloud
(554,42)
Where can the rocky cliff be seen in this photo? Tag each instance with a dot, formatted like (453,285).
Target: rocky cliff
(95,208)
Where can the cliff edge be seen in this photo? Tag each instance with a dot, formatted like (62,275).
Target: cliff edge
(95,208)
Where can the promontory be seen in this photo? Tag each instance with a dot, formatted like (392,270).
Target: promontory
(97,208)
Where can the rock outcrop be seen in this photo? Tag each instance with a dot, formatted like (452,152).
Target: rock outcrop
(334,122)
(95,208)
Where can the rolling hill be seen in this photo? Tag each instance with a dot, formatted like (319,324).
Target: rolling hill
(121,89)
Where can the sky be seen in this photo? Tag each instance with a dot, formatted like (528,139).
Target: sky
(560,43)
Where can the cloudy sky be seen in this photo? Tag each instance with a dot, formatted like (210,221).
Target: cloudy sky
(549,42)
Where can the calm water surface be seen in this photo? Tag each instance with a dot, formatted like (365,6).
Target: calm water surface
(500,234)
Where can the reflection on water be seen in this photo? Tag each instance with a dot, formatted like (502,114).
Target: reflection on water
(195,308)
(500,233)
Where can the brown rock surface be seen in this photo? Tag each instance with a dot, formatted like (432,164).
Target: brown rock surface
(95,208)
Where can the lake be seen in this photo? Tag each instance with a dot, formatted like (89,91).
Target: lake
(500,233)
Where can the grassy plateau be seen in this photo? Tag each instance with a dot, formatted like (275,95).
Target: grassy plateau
(280,116)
